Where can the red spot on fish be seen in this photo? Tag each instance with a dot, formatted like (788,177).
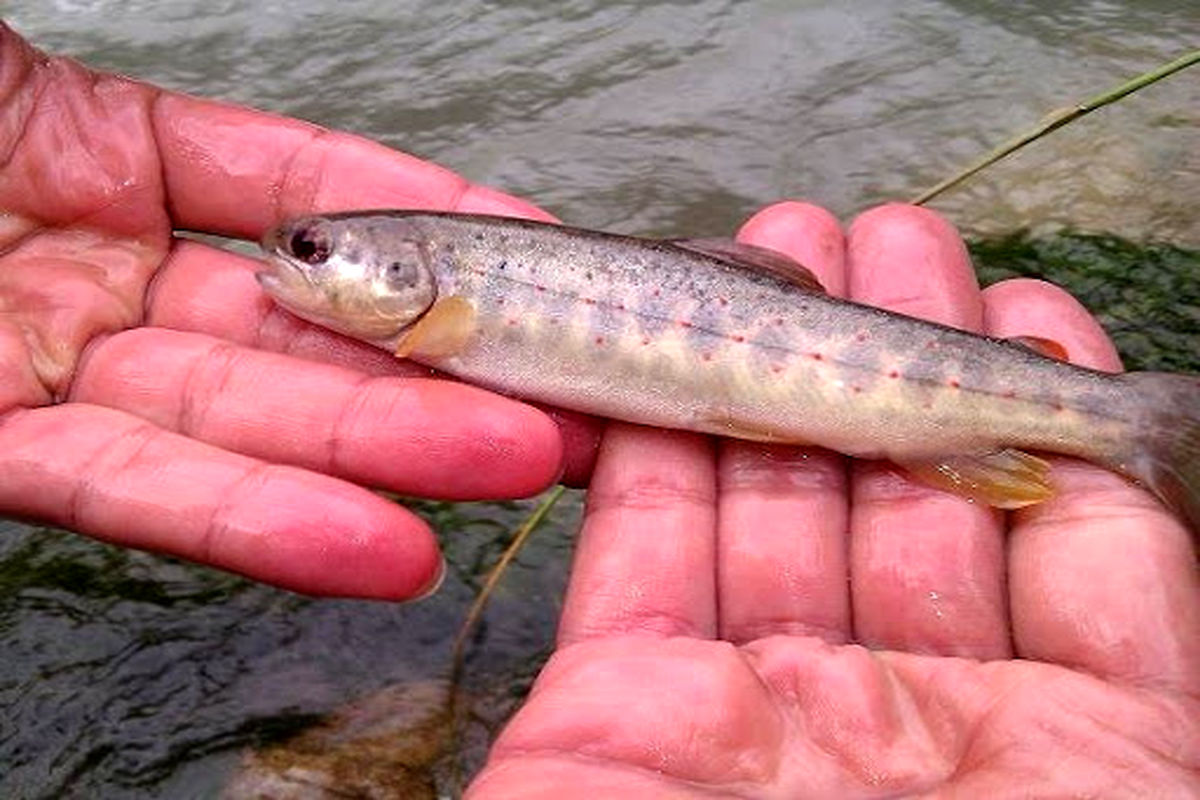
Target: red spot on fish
(861,336)
(656,293)
(953,383)
(590,301)
(645,340)
(723,301)
(512,323)
(1011,394)
(737,337)
(1058,406)
(620,306)
(683,323)
(856,389)
(707,356)
(600,340)
(540,288)
(777,368)
(894,374)
(816,356)
(779,321)
(931,345)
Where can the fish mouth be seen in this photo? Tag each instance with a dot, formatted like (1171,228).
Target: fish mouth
(277,274)
(279,270)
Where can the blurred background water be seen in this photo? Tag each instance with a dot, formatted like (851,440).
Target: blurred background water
(127,675)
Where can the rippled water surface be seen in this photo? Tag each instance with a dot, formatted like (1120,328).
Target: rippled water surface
(127,675)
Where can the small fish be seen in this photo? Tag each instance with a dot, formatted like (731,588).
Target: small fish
(729,339)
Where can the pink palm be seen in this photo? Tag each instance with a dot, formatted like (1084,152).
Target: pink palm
(764,622)
(150,395)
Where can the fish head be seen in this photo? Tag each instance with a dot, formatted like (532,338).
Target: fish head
(366,279)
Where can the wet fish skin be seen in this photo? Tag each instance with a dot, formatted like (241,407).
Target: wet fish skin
(688,335)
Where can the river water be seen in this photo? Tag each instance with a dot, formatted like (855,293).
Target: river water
(127,675)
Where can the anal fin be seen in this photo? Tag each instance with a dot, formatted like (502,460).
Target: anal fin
(1005,478)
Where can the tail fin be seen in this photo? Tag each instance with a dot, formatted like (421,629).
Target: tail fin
(1169,454)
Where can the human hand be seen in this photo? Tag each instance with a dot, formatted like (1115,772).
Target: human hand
(759,621)
(151,396)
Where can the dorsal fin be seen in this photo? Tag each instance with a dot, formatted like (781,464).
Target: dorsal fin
(760,259)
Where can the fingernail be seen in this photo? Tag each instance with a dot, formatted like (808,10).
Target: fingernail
(435,584)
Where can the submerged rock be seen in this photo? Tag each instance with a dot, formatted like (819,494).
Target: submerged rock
(380,747)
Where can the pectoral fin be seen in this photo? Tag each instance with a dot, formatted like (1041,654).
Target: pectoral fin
(1005,478)
(442,331)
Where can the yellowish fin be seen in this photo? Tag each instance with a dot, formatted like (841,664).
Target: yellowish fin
(442,331)
(1005,478)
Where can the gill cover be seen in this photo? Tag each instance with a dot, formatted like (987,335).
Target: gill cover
(367,278)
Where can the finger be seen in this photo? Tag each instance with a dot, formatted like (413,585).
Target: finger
(783,510)
(1024,306)
(581,436)
(412,435)
(207,290)
(927,567)
(237,172)
(645,558)
(807,233)
(123,480)
(1102,577)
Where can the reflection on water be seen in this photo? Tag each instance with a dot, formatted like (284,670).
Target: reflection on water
(682,118)
(126,675)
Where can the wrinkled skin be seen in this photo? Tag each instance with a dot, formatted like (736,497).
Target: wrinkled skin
(861,636)
(152,397)
(770,622)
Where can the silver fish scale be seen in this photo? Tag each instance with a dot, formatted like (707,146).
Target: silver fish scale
(655,333)
(704,337)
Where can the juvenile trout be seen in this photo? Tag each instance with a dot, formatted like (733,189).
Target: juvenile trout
(713,336)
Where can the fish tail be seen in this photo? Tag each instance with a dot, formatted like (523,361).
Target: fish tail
(1167,458)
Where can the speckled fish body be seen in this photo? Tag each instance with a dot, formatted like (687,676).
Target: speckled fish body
(689,336)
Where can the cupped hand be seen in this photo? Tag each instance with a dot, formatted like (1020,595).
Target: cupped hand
(772,622)
(151,396)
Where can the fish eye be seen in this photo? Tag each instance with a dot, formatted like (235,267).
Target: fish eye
(311,244)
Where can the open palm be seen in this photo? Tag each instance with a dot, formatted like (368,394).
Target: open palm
(151,396)
(773,622)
